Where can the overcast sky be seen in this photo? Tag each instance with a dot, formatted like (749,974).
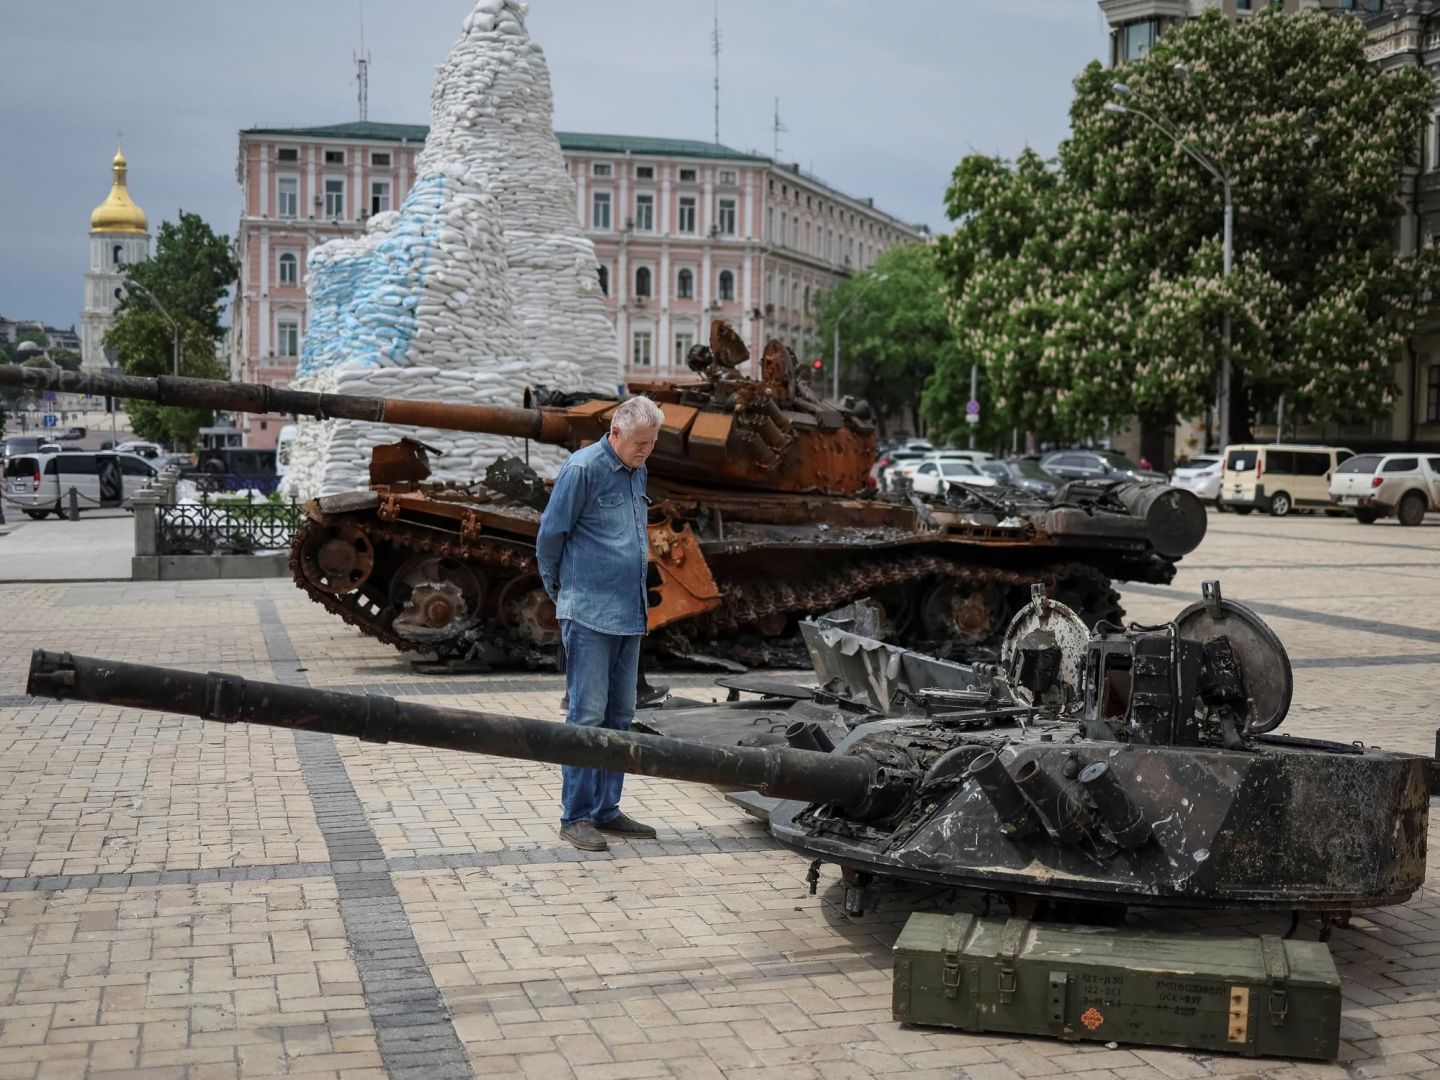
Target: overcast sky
(879,99)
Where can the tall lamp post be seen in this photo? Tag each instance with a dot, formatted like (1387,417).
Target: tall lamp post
(174,326)
(835,373)
(1216,170)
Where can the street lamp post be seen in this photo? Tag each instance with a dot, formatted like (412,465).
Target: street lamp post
(1167,126)
(174,326)
(835,373)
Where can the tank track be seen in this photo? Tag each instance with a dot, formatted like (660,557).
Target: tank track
(746,604)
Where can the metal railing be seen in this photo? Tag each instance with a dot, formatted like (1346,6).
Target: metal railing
(226,526)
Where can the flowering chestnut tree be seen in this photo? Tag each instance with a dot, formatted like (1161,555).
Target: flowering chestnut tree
(1090,288)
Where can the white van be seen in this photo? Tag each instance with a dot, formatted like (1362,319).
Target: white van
(1278,477)
(40,484)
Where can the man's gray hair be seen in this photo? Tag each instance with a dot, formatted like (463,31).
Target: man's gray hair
(636,413)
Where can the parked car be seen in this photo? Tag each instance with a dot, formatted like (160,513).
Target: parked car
(932,477)
(148,450)
(1096,465)
(19,444)
(1372,486)
(975,457)
(1023,473)
(1200,476)
(1279,477)
(880,472)
(40,483)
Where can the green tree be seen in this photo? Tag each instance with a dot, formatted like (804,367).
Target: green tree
(894,331)
(145,345)
(1090,288)
(190,273)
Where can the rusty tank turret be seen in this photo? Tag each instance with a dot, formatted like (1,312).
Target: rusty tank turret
(761,516)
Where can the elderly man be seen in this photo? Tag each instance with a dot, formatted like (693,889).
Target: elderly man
(593,554)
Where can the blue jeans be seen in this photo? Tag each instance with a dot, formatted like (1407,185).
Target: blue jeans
(600,671)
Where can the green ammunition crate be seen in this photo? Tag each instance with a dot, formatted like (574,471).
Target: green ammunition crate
(1258,996)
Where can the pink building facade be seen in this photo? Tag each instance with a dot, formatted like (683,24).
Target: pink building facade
(684,232)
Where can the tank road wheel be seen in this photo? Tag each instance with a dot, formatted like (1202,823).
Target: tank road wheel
(435,599)
(1093,601)
(528,611)
(337,558)
(961,612)
(900,604)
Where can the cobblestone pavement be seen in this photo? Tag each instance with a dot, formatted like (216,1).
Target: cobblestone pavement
(188,900)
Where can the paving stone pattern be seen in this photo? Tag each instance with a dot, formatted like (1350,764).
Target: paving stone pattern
(180,899)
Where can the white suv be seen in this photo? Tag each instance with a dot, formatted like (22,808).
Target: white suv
(1372,486)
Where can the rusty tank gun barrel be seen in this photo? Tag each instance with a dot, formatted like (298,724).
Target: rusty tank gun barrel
(542,424)
(804,775)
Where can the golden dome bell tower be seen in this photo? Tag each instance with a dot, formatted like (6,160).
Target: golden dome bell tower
(119,234)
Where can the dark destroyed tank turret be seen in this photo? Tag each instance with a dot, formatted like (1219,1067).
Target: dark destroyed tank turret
(1133,766)
(761,517)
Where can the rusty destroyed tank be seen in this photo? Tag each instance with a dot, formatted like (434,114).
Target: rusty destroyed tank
(1118,767)
(761,516)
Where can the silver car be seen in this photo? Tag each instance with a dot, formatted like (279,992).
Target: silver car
(1201,476)
(1372,486)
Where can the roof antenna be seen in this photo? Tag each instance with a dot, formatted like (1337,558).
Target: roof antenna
(362,71)
(715,48)
(777,127)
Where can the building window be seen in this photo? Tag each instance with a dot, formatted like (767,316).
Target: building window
(784,220)
(644,172)
(727,217)
(687,176)
(603,273)
(642,282)
(1244,5)
(380,159)
(334,157)
(1138,38)
(289,269)
(600,210)
(334,199)
(287,153)
(600,168)
(687,214)
(1432,395)
(727,285)
(379,196)
(684,342)
(807,299)
(287,337)
(727,176)
(685,285)
(640,345)
(645,213)
(117,255)
(288,196)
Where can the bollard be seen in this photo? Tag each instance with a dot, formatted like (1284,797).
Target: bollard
(74,512)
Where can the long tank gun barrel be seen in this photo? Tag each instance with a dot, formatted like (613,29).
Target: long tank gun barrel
(542,425)
(804,775)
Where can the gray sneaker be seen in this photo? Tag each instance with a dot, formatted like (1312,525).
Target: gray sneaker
(584,836)
(624,825)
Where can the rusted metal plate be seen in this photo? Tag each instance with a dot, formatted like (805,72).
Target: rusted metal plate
(685,587)
(709,436)
(676,428)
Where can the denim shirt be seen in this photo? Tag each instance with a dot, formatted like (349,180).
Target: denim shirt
(592,549)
